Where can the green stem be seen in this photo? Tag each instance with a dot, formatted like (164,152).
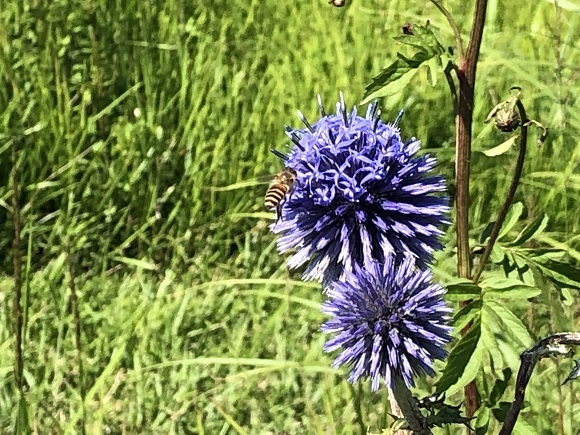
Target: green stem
(17,318)
(454,28)
(77,325)
(510,195)
(407,405)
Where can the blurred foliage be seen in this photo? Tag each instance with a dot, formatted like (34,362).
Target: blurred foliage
(143,131)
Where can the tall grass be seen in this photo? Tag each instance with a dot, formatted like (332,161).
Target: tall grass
(144,134)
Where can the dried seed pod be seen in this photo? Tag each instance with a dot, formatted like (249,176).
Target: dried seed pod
(507,119)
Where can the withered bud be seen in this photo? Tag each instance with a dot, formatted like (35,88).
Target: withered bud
(507,118)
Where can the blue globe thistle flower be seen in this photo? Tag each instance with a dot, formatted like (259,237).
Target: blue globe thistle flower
(389,320)
(360,194)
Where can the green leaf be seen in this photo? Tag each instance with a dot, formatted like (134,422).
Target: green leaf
(500,387)
(572,6)
(467,314)
(489,322)
(424,39)
(434,67)
(497,254)
(513,326)
(501,410)
(462,290)
(501,148)
(514,214)
(537,226)
(486,232)
(512,288)
(524,428)
(482,421)
(463,363)
(561,273)
(511,354)
(394,78)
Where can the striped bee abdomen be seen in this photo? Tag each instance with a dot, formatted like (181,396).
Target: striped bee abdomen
(274,195)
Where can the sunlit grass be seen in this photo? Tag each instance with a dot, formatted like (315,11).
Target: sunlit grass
(145,135)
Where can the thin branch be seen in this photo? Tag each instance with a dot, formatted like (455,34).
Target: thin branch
(463,126)
(510,194)
(454,28)
(452,88)
(554,345)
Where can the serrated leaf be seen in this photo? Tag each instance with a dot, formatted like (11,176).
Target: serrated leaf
(489,323)
(482,421)
(447,415)
(562,274)
(511,288)
(501,410)
(424,39)
(537,226)
(501,148)
(462,290)
(395,77)
(510,354)
(514,328)
(463,362)
(497,254)
(514,214)
(486,232)
(522,427)
(500,386)
(467,314)
(433,71)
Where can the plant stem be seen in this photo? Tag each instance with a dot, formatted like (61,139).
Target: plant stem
(510,194)
(77,324)
(454,28)
(17,295)
(466,76)
(554,345)
(407,405)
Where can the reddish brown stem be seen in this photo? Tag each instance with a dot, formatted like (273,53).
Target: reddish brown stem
(466,76)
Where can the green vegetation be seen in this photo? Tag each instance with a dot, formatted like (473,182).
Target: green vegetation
(142,132)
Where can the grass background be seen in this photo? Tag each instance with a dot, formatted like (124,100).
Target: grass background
(143,132)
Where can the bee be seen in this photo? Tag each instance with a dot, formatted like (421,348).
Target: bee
(337,3)
(280,188)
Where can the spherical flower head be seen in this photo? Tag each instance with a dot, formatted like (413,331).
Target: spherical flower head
(389,320)
(360,194)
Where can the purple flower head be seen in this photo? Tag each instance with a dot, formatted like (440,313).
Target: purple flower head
(360,194)
(388,320)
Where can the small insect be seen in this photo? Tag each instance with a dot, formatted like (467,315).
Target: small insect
(408,29)
(337,3)
(279,190)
